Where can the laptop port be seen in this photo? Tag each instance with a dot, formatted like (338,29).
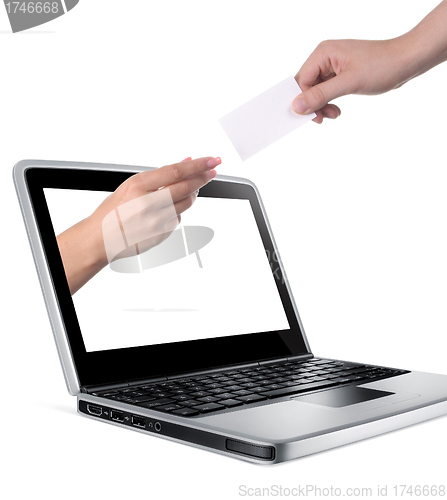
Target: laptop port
(118,416)
(94,410)
(138,422)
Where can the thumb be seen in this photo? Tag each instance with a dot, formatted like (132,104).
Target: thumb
(314,98)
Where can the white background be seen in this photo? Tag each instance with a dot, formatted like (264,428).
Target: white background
(358,208)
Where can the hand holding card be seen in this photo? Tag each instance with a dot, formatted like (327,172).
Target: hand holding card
(265,119)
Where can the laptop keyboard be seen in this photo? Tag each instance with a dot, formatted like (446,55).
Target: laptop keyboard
(203,394)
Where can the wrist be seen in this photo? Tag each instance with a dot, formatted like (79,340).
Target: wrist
(82,252)
(407,58)
(94,241)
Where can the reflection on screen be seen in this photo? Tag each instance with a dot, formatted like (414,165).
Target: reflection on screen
(210,278)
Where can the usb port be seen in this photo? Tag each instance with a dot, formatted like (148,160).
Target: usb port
(94,410)
(138,422)
(118,416)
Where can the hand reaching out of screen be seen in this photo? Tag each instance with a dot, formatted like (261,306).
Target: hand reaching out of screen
(341,67)
(141,213)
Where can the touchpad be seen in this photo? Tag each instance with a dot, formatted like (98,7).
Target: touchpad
(343,396)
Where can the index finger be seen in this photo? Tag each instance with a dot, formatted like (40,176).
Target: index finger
(171,174)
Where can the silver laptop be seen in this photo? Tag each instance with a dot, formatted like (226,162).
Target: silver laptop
(199,340)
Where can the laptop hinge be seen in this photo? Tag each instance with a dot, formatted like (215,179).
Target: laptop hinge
(96,388)
(89,389)
(300,357)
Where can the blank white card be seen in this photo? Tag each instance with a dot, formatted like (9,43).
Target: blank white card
(263,120)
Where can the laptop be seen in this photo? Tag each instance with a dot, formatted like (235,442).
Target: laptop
(199,340)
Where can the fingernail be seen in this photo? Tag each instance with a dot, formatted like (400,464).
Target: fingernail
(299,106)
(213,162)
(186,159)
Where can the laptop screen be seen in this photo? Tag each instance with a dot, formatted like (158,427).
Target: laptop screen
(145,302)
(219,299)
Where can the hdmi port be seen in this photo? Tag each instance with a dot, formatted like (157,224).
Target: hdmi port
(138,422)
(94,410)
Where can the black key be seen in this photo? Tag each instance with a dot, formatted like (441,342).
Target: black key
(257,390)
(213,385)
(208,399)
(359,370)
(208,407)
(226,395)
(299,388)
(249,385)
(233,387)
(200,394)
(273,387)
(159,394)
(169,407)
(252,398)
(230,402)
(217,391)
(157,402)
(293,383)
(142,399)
(190,402)
(185,412)
(181,397)
(242,393)
(107,394)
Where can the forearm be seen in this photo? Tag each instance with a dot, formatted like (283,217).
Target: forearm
(82,251)
(427,42)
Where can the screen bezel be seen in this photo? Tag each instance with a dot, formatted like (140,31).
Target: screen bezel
(145,362)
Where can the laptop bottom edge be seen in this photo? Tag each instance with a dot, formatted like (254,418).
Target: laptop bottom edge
(243,449)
